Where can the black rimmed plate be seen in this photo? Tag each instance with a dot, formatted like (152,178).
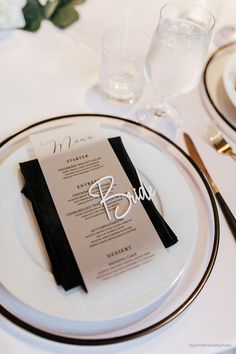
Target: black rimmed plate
(217,97)
(28,293)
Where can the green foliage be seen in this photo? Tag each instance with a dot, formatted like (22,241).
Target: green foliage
(77,2)
(65,16)
(50,8)
(33,14)
(61,13)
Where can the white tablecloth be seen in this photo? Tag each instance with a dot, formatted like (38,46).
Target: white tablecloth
(54,72)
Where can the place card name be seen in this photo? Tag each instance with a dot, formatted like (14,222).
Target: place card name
(132,197)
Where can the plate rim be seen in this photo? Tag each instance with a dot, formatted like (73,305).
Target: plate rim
(146,330)
(228,65)
(211,58)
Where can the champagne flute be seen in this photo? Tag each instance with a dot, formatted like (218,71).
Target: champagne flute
(175,59)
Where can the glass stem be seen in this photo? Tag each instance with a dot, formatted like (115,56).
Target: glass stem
(160,109)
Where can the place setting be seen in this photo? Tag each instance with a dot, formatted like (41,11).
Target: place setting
(110,229)
(74,315)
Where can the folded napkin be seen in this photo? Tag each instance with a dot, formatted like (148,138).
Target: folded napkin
(64,266)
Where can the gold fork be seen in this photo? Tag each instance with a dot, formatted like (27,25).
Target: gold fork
(221,145)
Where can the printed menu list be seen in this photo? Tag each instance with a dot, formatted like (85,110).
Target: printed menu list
(113,241)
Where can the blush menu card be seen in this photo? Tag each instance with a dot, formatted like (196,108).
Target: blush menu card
(110,229)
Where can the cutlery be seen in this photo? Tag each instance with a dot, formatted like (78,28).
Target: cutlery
(224,207)
(221,145)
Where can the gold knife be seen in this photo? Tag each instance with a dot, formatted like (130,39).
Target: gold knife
(224,207)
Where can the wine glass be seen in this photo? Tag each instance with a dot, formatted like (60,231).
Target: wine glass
(175,59)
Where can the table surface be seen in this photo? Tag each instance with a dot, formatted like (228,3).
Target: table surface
(54,72)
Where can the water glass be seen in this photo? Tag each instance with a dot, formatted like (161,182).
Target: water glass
(122,67)
(179,47)
(176,59)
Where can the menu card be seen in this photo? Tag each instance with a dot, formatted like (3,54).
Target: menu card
(112,238)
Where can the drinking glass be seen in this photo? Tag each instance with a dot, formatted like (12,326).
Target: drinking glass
(122,66)
(175,59)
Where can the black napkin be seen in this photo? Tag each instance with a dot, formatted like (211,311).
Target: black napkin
(64,266)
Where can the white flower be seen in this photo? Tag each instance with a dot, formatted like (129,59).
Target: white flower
(11,15)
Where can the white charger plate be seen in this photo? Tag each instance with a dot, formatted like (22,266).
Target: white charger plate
(28,292)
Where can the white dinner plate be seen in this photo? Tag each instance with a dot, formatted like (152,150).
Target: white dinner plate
(219,97)
(29,292)
(229,78)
